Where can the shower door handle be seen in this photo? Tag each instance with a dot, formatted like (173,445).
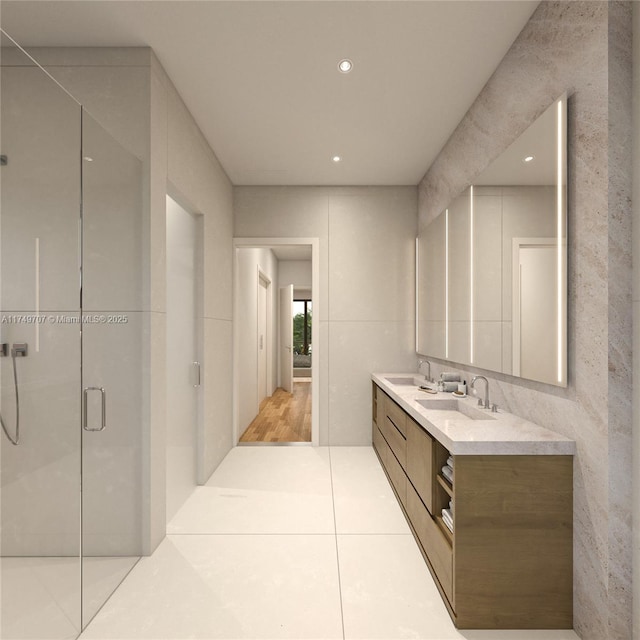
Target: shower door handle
(85,408)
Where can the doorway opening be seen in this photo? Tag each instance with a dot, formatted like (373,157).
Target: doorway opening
(276,342)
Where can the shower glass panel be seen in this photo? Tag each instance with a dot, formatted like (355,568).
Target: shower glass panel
(71,257)
(111,364)
(40,509)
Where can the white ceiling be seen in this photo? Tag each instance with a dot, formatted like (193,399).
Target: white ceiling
(261,77)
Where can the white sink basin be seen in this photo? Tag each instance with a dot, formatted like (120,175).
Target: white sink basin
(456,406)
(405,381)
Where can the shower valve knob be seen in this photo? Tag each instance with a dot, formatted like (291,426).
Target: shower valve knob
(19,349)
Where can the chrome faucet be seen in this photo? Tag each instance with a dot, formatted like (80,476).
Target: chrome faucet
(427,377)
(484,404)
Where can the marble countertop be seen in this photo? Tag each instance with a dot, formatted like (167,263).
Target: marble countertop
(499,434)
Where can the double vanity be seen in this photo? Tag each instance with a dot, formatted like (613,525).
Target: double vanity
(507,562)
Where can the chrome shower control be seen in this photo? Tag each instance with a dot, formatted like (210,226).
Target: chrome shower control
(19,349)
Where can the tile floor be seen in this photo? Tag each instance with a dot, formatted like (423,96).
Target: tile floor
(287,542)
(40,596)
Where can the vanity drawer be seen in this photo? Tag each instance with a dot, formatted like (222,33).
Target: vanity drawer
(379,443)
(393,429)
(433,542)
(395,440)
(395,414)
(397,476)
(419,464)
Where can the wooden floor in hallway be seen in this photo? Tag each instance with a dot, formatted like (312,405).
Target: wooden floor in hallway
(283,417)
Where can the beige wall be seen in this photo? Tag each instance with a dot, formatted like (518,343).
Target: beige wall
(367,252)
(582,48)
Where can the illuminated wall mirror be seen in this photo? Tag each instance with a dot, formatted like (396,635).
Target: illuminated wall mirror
(491,275)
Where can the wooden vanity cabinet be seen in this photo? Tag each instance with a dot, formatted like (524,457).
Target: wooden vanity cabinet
(420,452)
(390,442)
(508,563)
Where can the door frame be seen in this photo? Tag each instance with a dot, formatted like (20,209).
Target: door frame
(282,370)
(318,347)
(199,275)
(263,277)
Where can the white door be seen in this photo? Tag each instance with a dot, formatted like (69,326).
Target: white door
(181,355)
(536,315)
(286,338)
(263,287)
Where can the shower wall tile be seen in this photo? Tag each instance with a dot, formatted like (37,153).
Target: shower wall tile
(41,476)
(117,96)
(572,47)
(40,193)
(112,223)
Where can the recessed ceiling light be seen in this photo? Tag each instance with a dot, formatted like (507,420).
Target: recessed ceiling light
(336,158)
(345,65)
(528,159)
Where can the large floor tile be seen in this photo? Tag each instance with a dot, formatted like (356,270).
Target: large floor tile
(228,587)
(521,634)
(100,577)
(40,598)
(263,490)
(389,594)
(363,498)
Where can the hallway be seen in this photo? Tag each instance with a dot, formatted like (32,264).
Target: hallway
(283,417)
(287,542)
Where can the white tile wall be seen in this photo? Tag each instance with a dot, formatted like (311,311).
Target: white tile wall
(356,349)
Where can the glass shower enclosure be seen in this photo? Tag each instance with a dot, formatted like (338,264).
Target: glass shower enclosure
(70,357)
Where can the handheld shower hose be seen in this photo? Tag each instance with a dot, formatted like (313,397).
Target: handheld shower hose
(17,349)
